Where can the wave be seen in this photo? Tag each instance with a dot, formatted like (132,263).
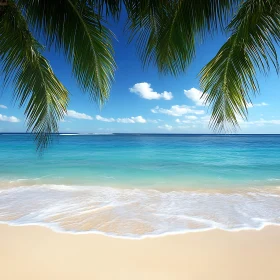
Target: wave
(137,213)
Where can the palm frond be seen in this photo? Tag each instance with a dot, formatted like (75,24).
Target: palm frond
(229,79)
(110,8)
(35,85)
(73,27)
(166,31)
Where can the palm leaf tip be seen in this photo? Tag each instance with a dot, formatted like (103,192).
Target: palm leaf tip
(230,77)
(36,87)
(166,31)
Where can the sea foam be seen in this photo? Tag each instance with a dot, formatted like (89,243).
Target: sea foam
(137,213)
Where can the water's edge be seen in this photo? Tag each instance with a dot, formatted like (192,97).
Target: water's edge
(61,231)
(138,213)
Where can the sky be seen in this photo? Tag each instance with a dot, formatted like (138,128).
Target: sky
(144,101)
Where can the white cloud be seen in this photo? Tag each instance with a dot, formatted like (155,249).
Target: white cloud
(76,115)
(261,104)
(167,95)
(3,107)
(166,126)
(183,121)
(262,122)
(125,120)
(138,119)
(145,91)
(177,110)
(250,105)
(99,118)
(12,119)
(191,118)
(196,96)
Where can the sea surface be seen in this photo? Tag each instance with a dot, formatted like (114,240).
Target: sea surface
(139,185)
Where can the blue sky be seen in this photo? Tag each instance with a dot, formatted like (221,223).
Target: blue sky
(144,101)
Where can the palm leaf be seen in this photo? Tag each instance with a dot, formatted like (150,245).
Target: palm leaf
(110,8)
(166,32)
(73,27)
(229,79)
(35,85)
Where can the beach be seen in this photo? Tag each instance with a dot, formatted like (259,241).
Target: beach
(159,207)
(33,252)
(155,163)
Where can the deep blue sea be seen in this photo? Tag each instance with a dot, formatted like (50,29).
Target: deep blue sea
(135,185)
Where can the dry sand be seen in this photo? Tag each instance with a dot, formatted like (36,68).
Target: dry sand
(32,252)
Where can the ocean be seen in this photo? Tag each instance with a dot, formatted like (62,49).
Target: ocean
(140,185)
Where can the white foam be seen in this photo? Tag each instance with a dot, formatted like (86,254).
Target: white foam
(137,213)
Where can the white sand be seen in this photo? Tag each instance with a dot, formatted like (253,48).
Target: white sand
(31,252)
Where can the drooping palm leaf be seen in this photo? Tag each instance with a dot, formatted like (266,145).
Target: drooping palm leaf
(35,85)
(230,77)
(72,26)
(167,31)
(111,8)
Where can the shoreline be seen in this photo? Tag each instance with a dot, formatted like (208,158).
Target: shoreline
(142,237)
(138,213)
(180,186)
(34,252)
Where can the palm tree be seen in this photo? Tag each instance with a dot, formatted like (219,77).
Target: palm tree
(166,33)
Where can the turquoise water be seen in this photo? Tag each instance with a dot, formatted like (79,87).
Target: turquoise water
(146,161)
(137,185)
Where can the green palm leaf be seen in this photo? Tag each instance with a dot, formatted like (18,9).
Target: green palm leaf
(108,7)
(230,77)
(73,27)
(35,84)
(166,32)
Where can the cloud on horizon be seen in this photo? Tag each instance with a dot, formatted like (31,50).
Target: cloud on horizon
(3,106)
(77,115)
(260,122)
(138,119)
(251,105)
(99,118)
(145,91)
(11,119)
(165,126)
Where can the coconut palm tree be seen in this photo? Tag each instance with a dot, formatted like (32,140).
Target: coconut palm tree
(166,33)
